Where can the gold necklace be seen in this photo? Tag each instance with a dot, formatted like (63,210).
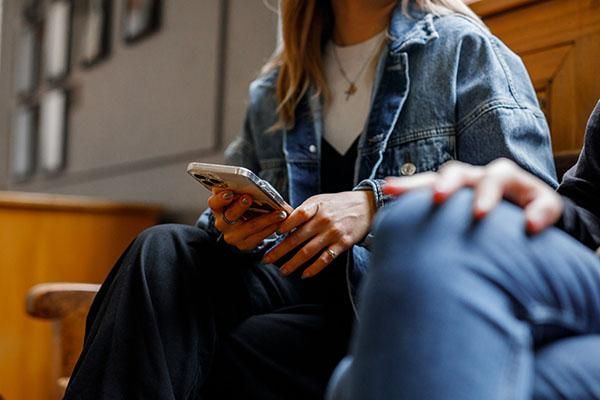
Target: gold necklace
(352,82)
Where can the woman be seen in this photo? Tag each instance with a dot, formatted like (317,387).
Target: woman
(461,310)
(361,89)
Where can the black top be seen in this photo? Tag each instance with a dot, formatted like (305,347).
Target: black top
(337,170)
(580,189)
(337,175)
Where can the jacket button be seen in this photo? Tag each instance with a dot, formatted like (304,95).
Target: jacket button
(312,148)
(408,169)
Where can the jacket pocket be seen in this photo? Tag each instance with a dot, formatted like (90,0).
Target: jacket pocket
(402,158)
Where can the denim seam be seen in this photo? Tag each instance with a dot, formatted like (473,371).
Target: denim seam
(494,45)
(483,110)
(506,70)
(448,131)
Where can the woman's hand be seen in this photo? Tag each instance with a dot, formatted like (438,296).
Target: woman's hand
(501,178)
(325,226)
(228,210)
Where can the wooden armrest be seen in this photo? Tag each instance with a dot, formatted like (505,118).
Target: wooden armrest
(56,300)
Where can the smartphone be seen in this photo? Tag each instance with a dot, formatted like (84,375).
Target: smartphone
(240,181)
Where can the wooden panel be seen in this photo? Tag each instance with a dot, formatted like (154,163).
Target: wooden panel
(559,42)
(488,8)
(64,241)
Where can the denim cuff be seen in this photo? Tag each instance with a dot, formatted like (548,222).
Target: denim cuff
(375,185)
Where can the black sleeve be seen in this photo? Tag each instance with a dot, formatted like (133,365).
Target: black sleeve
(581,224)
(580,189)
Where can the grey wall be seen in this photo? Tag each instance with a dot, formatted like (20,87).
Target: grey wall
(137,119)
(5,88)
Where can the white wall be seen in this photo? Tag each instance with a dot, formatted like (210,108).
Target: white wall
(140,117)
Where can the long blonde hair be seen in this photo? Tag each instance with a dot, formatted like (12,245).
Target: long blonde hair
(306,27)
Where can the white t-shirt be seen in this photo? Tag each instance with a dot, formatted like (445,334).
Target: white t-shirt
(345,115)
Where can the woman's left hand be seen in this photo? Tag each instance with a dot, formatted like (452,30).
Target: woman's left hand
(326,224)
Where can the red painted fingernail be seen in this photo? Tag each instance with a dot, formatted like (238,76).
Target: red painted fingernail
(439,197)
(532,226)
(479,214)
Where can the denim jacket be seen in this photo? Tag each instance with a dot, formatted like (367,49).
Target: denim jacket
(445,89)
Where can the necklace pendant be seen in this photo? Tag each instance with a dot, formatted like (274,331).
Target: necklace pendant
(351,90)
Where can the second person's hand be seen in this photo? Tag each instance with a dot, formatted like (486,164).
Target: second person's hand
(500,178)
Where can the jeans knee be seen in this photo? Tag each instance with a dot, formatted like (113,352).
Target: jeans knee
(425,252)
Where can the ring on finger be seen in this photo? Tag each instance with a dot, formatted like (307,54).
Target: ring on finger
(331,253)
(228,221)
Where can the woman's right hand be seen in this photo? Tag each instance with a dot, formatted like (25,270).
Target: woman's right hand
(245,235)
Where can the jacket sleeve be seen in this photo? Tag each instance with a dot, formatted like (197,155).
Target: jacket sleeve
(580,189)
(497,111)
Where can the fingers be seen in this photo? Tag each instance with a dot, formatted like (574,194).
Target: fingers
(292,241)
(307,252)
(452,177)
(227,216)
(219,200)
(543,212)
(326,258)
(238,208)
(488,193)
(299,216)
(501,178)
(252,241)
(397,186)
(251,233)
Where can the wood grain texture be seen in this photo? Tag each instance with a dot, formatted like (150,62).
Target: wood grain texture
(486,8)
(66,306)
(50,242)
(559,42)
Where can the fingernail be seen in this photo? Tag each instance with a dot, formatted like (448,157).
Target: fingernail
(479,214)
(284,271)
(245,201)
(531,226)
(227,195)
(307,274)
(439,197)
(266,259)
(282,215)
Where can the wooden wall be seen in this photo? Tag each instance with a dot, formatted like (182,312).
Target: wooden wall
(46,239)
(559,41)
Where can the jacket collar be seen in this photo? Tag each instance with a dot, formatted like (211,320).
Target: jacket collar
(412,28)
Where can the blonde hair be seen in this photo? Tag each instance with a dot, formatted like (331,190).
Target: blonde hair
(306,26)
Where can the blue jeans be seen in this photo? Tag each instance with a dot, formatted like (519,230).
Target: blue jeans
(457,309)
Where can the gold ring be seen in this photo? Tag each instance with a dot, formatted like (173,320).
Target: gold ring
(332,253)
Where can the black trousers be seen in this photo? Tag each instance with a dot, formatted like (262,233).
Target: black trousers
(183,317)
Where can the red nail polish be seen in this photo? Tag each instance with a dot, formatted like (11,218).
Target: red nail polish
(439,197)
